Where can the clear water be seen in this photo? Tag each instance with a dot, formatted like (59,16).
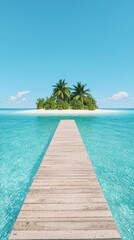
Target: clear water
(110,144)
(109,141)
(23,142)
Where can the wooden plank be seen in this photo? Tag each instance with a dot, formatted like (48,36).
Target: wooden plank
(65,200)
(64,234)
(63,214)
(64,219)
(49,226)
(54,207)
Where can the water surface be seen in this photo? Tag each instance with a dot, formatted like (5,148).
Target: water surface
(109,141)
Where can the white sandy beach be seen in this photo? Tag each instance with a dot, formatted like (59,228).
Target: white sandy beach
(69,112)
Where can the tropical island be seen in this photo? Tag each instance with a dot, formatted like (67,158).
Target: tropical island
(64,97)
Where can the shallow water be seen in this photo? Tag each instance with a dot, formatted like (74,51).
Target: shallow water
(109,142)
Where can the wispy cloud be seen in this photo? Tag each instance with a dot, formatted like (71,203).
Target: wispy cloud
(12,98)
(19,97)
(119,96)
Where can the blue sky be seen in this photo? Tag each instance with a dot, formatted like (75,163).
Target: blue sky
(91,41)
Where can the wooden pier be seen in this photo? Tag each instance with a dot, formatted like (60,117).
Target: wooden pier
(65,200)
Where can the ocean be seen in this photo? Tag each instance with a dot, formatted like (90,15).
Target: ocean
(109,140)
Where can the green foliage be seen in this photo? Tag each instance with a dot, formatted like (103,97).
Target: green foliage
(76,104)
(90,103)
(61,91)
(62,104)
(50,103)
(40,103)
(79,92)
(63,98)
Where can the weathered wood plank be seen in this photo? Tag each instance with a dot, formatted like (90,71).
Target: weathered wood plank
(64,214)
(53,199)
(51,226)
(65,200)
(54,207)
(69,219)
(64,234)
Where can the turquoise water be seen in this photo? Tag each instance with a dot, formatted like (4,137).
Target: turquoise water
(110,144)
(23,142)
(109,141)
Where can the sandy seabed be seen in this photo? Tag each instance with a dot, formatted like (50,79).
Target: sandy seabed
(69,112)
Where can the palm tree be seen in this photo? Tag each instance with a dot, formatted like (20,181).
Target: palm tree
(60,90)
(79,92)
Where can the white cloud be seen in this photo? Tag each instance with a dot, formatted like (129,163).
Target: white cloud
(19,97)
(119,96)
(22,93)
(13,98)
